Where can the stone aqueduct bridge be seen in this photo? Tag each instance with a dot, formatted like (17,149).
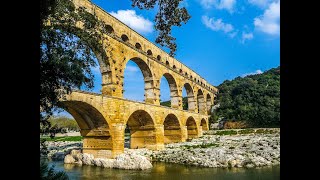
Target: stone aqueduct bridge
(103,118)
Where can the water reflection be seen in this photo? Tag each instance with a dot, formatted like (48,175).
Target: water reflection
(168,171)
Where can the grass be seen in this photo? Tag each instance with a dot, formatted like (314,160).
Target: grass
(66,138)
(246,131)
(227,132)
(201,146)
(264,131)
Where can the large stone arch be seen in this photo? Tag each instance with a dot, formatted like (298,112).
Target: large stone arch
(201,102)
(192,128)
(148,78)
(94,128)
(174,94)
(204,124)
(190,96)
(142,130)
(209,103)
(172,129)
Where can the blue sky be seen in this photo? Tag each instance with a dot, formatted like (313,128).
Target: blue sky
(223,39)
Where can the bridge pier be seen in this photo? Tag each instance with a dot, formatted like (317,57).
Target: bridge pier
(117,138)
(184,133)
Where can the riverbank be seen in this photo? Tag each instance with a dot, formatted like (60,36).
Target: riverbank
(240,150)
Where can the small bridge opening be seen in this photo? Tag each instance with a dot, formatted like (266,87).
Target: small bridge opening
(169,92)
(204,125)
(172,129)
(189,98)
(140,131)
(192,128)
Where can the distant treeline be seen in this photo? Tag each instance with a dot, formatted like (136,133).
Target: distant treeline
(254,99)
(63,124)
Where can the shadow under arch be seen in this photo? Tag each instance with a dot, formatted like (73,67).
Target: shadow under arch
(174,96)
(204,124)
(142,130)
(172,129)
(147,76)
(94,128)
(208,104)
(192,128)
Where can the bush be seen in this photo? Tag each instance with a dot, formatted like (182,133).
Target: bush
(228,132)
(234,125)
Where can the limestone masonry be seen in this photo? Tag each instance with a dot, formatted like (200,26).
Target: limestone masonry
(103,118)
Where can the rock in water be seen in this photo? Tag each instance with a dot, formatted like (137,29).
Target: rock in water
(68,159)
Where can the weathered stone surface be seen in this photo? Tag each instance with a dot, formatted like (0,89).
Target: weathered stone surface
(68,159)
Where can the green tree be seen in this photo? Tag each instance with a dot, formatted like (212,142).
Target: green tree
(254,99)
(169,14)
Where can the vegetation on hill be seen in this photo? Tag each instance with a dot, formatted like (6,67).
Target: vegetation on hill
(254,99)
(184,103)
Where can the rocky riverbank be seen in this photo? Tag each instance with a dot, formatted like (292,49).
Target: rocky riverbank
(247,150)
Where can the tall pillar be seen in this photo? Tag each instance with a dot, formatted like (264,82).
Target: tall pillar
(184,132)
(200,132)
(117,138)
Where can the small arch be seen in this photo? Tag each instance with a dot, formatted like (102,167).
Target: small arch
(195,79)
(180,71)
(172,129)
(149,52)
(186,74)
(192,128)
(191,77)
(209,104)
(167,63)
(190,97)
(109,29)
(159,58)
(173,90)
(138,46)
(124,38)
(204,125)
(174,67)
(141,127)
(201,102)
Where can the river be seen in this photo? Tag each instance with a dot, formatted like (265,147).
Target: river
(162,170)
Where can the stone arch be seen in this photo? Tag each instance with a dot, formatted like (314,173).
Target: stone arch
(149,52)
(94,127)
(201,102)
(174,67)
(204,125)
(209,100)
(192,128)
(180,71)
(159,58)
(100,52)
(190,96)
(148,78)
(172,129)
(124,38)
(142,130)
(174,95)
(109,29)
(167,63)
(138,46)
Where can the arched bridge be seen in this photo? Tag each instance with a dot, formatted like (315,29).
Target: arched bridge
(103,118)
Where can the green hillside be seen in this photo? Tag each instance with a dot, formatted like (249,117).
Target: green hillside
(254,99)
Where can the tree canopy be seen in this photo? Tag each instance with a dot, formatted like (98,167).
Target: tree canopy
(254,99)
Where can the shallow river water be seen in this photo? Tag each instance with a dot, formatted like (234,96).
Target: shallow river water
(162,170)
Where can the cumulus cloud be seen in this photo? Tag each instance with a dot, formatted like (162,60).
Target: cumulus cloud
(252,73)
(246,36)
(136,22)
(269,22)
(219,4)
(260,3)
(217,25)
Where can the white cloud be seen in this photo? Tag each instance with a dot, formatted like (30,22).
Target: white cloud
(207,4)
(132,69)
(136,22)
(219,4)
(217,25)
(260,3)
(269,22)
(246,36)
(227,4)
(233,34)
(184,3)
(252,73)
